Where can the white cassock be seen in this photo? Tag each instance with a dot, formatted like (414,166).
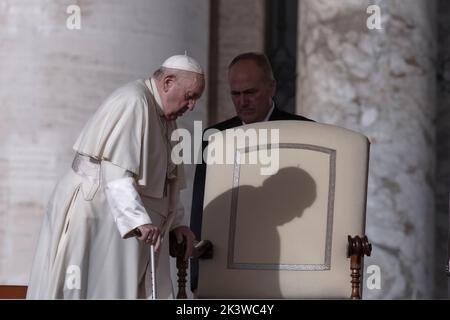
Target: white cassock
(122,177)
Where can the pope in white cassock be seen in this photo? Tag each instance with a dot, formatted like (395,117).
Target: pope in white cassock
(122,180)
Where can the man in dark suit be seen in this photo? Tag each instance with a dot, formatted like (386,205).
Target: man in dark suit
(252,88)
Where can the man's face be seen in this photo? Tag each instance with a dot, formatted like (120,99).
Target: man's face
(251,91)
(181,94)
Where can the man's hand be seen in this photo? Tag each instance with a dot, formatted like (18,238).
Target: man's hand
(150,234)
(190,237)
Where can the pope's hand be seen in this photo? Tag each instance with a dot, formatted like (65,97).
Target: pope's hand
(150,234)
(183,231)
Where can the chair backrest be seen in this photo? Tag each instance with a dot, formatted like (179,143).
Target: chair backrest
(283,235)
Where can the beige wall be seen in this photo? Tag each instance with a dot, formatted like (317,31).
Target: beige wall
(52,79)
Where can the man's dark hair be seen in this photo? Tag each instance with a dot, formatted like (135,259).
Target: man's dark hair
(260,59)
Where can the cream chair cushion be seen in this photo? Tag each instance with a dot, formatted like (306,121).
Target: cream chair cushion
(284,235)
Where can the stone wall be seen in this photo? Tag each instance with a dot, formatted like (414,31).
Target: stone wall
(237,27)
(381,83)
(53,78)
(442,149)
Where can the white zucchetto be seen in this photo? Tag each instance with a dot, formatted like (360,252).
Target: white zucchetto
(183,62)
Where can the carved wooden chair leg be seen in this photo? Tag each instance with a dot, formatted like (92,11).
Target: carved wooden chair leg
(202,250)
(356,249)
(177,250)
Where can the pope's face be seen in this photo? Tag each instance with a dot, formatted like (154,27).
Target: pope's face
(251,91)
(181,94)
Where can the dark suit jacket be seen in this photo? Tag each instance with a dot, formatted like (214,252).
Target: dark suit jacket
(200,175)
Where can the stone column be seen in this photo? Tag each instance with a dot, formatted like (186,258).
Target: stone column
(53,78)
(380,83)
(442,150)
(236,27)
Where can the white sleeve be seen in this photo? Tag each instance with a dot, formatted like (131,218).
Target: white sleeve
(124,201)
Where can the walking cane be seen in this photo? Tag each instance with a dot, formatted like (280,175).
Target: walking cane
(152,258)
(138,233)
